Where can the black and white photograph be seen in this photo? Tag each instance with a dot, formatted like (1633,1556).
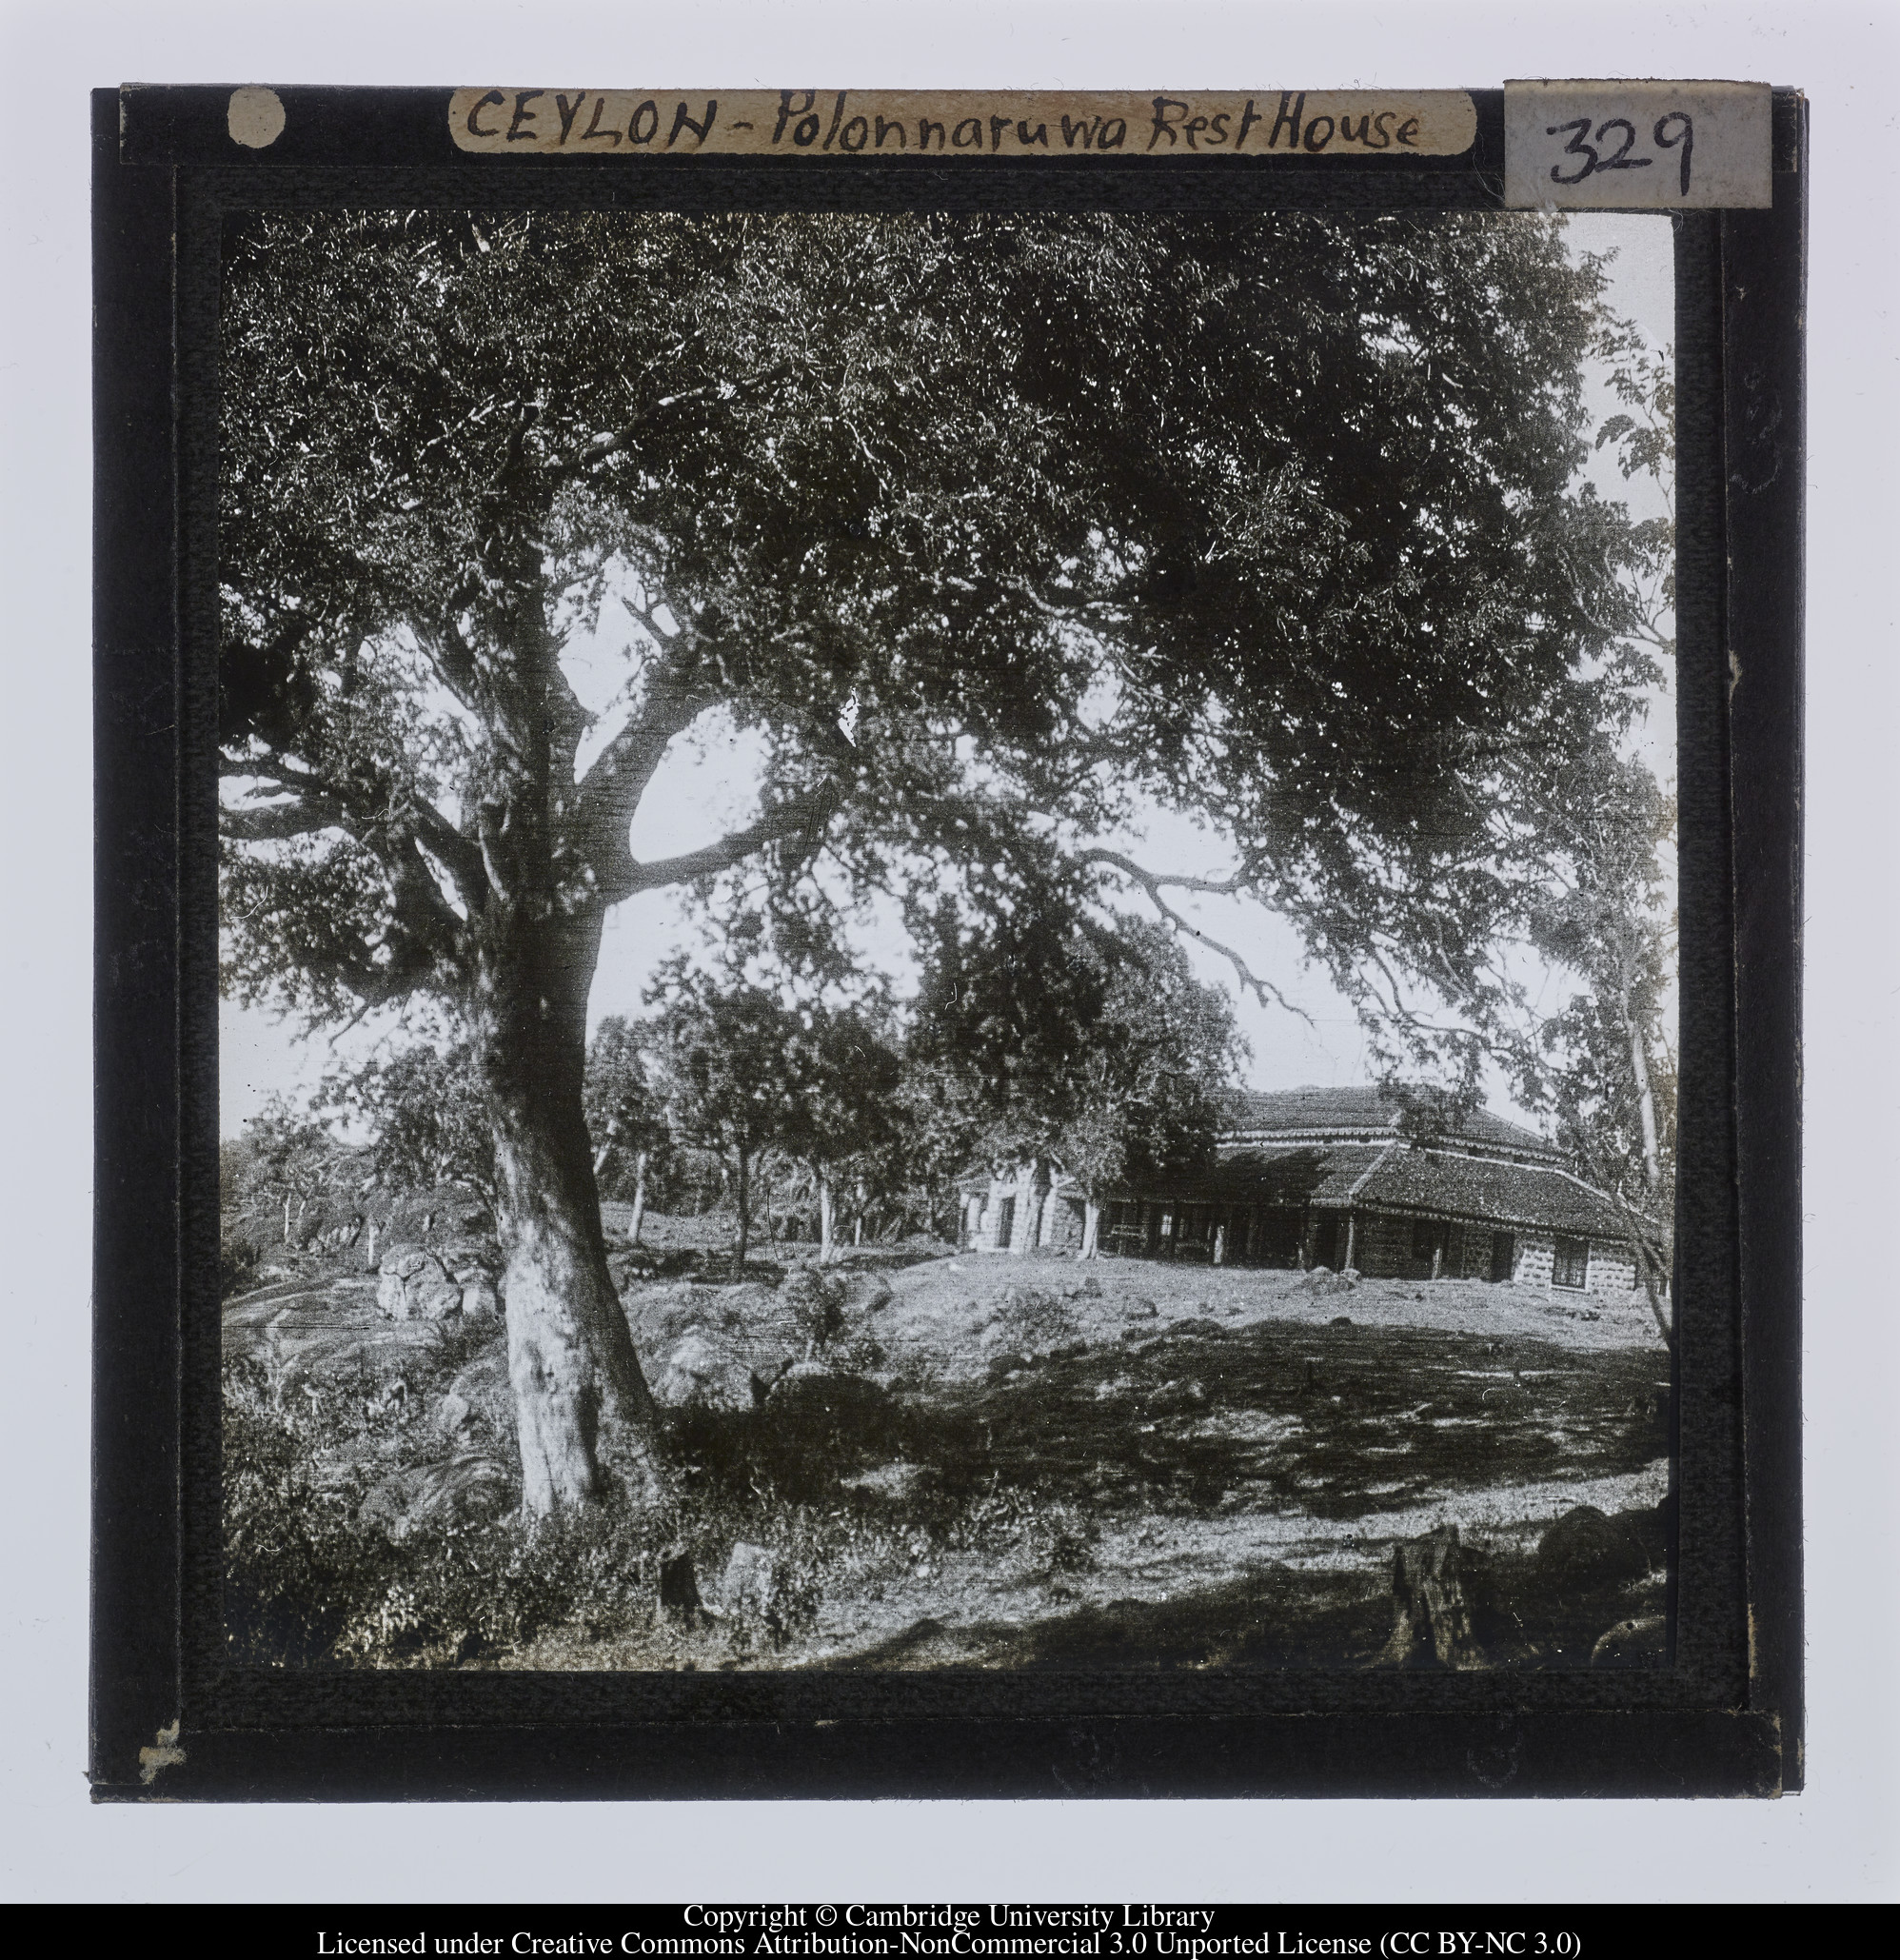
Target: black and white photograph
(946,940)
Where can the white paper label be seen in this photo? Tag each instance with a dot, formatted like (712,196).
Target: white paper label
(1636,146)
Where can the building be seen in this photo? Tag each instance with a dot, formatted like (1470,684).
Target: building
(1309,1177)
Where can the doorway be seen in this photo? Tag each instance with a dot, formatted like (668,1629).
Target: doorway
(1503,1256)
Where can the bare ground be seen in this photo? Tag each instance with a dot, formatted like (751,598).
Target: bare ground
(1037,1463)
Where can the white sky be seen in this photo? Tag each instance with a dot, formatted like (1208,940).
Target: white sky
(706,785)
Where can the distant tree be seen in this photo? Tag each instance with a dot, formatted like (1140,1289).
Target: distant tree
(1000,1027)
(844,1120)
(1072,1042)
(981,526)
(294,1160)
(426,1122)
(1602,1064)
(627,1117)
(726,1052)
(1146,1104)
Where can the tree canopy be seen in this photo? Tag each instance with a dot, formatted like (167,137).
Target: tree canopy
(986,525)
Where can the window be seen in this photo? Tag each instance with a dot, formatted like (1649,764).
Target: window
(1569,1266)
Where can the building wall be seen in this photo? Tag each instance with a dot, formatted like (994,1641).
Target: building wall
(1063,1218)
(1018,1215)
(1613,1269)
(1536,1251)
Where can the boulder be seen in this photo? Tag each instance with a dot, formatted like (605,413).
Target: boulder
(415,1285)
(1138,1309)
(471,1254)
(746,1588)
(452,1415)
(1321,1281)
(457,1489)
(479,1294)
(1585,1548)
(717,1369)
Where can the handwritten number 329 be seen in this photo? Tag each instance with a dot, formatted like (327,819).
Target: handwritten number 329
(1675,130)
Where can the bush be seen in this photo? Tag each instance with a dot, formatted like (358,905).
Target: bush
(816,1303)
(237,1265)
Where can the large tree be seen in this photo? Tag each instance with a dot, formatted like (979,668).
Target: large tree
(990,530)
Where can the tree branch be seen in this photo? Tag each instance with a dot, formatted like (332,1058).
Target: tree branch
(798,816)
(302,816)
(1153,883)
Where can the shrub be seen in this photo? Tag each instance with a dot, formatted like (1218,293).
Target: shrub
(816,1302)
(237,1264)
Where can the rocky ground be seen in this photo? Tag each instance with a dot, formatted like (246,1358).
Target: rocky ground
(981,1460)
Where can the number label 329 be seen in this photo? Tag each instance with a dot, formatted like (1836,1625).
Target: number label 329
(1636,146)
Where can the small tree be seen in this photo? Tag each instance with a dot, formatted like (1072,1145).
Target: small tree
(627,1117)
(427,1123)
(1064,1039)
(843,1118)
(1145,1105)
(1602,1065)
(294,1160)
(727,1053)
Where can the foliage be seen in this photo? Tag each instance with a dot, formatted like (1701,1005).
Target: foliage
(288,1158)
(1146,1102)
(816,1302)
(627,1117)
(424,1113)
(1601,1063)
(725,1051)
(1057,1035)
(1235,524)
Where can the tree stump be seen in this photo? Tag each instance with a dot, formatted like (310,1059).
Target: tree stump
(1434,1624)
(680,1590)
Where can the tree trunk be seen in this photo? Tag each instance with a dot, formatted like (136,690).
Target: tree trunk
(1091,1228)
(826,1220)
(286,1219)
(1646,1105)
(639,1197)
(582,1405)
(742,1198)
(1433,1625)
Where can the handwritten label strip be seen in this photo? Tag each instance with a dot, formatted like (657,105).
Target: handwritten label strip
(951,124)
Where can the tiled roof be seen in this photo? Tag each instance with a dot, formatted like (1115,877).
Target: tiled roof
(1395,1177)
(1359,1113)
(1447,1181)
(1299,1173)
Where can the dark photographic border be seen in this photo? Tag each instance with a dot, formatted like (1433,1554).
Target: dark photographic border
(172,1720)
